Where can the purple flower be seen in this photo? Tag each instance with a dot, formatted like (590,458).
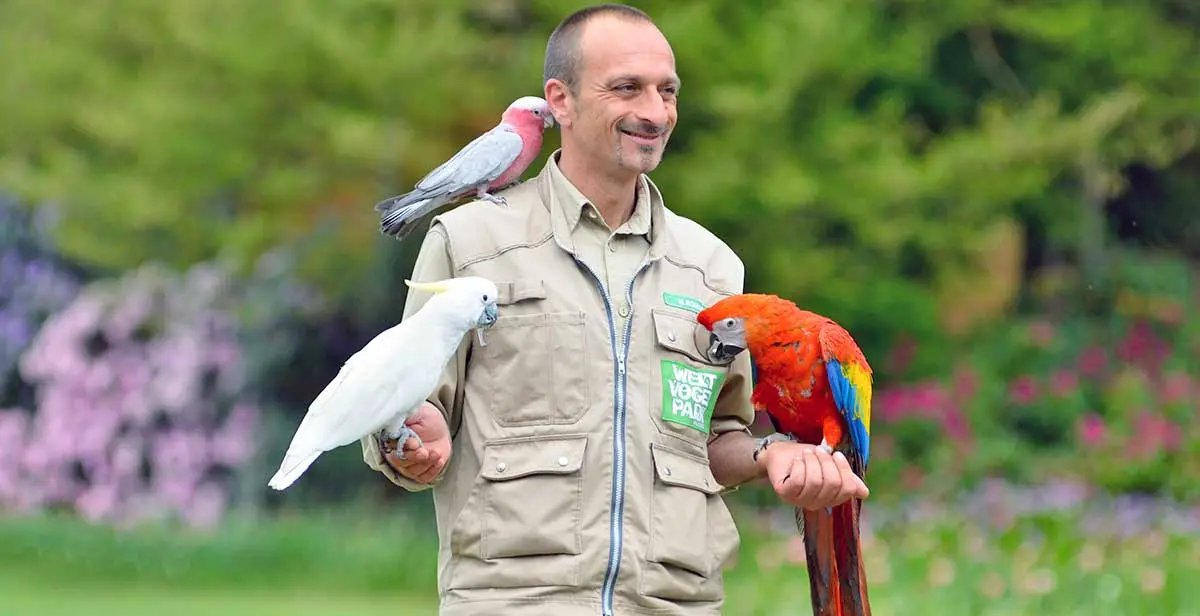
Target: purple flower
(1092,430)
(1064,383)
(1176,387)
(1023,390)
(1041,333)
(149,420)
(1093,362)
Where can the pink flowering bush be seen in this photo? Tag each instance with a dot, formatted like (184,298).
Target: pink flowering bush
(34,283)
(1112,399)
(144,400)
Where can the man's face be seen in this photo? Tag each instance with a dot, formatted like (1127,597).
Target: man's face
(624,111)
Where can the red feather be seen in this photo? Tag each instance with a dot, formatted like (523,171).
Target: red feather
(791,348)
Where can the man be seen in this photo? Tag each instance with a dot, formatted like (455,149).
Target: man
(580,455)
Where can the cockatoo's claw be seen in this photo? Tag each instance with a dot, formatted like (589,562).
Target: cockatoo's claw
(402,437)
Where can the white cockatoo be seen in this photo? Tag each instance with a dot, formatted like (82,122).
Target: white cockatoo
(386,381)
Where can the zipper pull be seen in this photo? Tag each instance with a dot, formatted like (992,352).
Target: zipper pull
(621,367)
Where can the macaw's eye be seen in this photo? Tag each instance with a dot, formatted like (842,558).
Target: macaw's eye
(729,323)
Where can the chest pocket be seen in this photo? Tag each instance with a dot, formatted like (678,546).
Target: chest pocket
(686,383)
(534,359)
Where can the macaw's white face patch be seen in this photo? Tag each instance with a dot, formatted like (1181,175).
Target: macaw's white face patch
(689,394)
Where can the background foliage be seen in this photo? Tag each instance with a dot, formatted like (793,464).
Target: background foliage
(999,199)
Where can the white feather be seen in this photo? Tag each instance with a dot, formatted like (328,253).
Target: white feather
(387,380)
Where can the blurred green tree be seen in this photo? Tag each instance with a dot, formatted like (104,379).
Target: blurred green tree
(868,159)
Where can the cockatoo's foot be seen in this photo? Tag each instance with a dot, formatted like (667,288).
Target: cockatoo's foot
(825,445)
(402,436)
(484,195)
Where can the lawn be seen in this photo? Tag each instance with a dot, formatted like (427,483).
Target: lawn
(1036,564)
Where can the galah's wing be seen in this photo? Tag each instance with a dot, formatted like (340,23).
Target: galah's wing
(479,162)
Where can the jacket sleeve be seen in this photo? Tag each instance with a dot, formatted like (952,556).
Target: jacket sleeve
(433,263)
(733,411)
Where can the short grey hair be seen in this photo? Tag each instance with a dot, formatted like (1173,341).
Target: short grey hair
(564,58)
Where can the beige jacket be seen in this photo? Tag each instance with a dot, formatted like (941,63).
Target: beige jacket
(579,483)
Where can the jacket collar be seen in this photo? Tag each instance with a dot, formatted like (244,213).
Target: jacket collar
(566,205)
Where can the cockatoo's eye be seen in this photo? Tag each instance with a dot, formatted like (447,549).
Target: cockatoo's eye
(485,298)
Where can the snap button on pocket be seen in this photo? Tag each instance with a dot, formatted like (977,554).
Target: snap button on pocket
(501,467)
(563,461)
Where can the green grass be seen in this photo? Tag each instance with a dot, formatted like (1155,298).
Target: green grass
(345,564)
(266,602)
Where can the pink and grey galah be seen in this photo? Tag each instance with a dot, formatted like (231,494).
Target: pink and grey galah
(490,163)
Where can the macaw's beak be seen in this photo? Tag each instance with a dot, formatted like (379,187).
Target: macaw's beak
(720,352)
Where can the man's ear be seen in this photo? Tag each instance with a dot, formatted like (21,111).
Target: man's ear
(558,97)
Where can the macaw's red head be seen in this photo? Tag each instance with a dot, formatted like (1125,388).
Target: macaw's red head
(742,322)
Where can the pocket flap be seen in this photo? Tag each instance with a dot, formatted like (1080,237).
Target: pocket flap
(677,468)
(535,455)
(680,334)
(520,290)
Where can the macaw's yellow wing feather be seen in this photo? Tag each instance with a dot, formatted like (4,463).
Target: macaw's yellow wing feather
(850,379)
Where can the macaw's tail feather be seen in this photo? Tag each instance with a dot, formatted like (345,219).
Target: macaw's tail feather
(836,576)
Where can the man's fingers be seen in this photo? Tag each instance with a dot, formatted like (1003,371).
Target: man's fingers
(852,484)
(812,479)
(849,483)
(831,480)
(430,473)
(778,468)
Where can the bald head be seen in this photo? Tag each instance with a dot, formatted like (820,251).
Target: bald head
(564,51)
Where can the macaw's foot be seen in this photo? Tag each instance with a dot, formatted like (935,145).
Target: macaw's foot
(768,439)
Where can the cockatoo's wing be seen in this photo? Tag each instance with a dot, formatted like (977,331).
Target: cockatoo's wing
(385,378)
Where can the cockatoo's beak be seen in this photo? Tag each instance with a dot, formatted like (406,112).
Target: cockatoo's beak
(548,121)
(430,287)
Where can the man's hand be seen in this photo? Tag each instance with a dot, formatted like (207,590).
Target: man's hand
(423,462)
(806,476)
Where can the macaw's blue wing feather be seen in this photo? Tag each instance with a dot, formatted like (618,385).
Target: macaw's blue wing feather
(851,385)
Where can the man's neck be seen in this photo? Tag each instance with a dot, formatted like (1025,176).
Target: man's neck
(614,198)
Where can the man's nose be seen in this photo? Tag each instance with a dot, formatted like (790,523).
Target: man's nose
(652,108)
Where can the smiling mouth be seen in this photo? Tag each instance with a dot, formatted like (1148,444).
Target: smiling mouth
(641,137)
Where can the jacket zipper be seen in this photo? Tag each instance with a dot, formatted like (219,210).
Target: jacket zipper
(617,508)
